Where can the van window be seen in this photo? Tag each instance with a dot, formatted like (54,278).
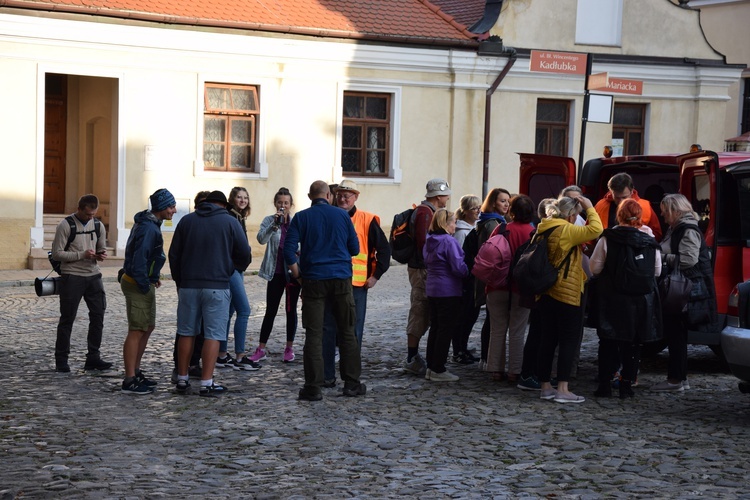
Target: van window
(728,228)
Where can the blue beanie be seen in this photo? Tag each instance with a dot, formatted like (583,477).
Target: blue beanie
(161,200)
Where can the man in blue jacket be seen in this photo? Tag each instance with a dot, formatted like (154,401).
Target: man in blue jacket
(208,245)
(144,258)
(328,243)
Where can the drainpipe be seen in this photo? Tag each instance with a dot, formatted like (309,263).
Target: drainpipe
(494,46)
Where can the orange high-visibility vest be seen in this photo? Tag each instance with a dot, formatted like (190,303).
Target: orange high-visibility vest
(362,221)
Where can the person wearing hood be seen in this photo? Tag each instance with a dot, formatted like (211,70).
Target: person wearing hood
(626,320)
(446,271)
(208,246)
(621,188)
(144,258)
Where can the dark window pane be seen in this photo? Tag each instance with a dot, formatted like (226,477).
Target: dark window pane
(352,137)
(350,161)
(559,146)
(376,108)
(628,115)
(634,143)
(540,146)
(550,111)
(353,106)
(375,137)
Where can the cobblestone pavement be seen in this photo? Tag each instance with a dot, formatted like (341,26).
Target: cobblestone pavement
(75,435)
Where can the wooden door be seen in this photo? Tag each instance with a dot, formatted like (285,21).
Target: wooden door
(55,117)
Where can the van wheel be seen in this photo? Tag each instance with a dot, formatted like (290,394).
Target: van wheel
(651,349)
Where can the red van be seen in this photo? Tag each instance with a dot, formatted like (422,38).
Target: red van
(717,184)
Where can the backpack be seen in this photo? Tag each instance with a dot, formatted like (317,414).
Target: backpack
(492,263)
(533,272)
(73,231)
(401,239)
(633,272)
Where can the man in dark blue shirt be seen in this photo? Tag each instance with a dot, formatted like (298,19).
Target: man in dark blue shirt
(327,243)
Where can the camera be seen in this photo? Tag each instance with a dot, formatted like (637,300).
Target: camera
(279,219)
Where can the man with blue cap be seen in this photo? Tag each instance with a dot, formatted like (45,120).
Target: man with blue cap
(140,277)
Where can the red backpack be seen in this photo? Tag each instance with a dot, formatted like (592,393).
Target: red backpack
(492,263)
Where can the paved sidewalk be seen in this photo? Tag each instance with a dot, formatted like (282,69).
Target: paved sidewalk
(76,436)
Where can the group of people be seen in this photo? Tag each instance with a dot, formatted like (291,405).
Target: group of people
(331,254)
(528,339)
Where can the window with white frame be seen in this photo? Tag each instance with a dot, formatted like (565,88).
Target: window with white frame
(230,127)
(366,134)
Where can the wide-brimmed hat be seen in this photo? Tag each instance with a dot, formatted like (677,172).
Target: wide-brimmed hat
(217,197)
(347,185)
(437,187)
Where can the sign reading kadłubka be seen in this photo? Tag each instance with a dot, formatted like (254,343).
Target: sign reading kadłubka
(548,61)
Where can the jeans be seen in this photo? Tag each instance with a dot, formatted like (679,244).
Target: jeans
(240,304)
(274,291)
(329,330)
(338,293)
(444,320)
(72,289)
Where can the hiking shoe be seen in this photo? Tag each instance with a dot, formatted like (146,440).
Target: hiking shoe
(62,367)
(213,390)
(182,386)
(142,380)
(247,365)
(665,386)
(288,354)
(97,365)
(355,390)
(548,394)
(134,387)
(529,383)
(226,362)
(417,366)
(445,376)
(310,394)
(259,355)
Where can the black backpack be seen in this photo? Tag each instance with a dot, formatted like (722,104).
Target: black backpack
(73,231)
(401,239)
(533,272)
(631,263)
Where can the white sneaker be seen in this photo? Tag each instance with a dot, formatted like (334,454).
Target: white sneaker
(446,376)
(665,386)
(427,374)
(685,384)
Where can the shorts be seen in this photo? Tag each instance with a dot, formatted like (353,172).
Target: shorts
(140,307)
(209,305)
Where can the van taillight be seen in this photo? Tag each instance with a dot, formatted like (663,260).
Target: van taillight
(733,304)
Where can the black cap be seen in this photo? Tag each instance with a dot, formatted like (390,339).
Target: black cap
(217,197)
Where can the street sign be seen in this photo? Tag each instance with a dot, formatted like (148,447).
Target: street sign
(597,81)
(547,61)
(623,86)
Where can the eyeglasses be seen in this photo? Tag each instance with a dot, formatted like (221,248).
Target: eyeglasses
(344,196)
(475,209)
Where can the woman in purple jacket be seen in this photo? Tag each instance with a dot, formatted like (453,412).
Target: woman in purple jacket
(446,270)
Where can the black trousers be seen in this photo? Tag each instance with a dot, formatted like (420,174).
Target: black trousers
(443,322)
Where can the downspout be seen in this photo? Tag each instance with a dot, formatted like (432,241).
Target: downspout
(512,56)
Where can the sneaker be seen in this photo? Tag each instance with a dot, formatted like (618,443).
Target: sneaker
(62,367)
(247,365)
(417,366)
(225,362)
(548,394)
(685,384)
(142,380)
(568,398)
(354,390)
(470,355)
(182,386)
(462,358)
(97,365)
(529,384)
(258,355)
(194,372)
(288,354)
(213,390)
(329,383)
(445,376)
(664,385)
(136,388)
(310,394)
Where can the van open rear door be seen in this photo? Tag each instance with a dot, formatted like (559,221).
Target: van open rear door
(544,176)
(741,174)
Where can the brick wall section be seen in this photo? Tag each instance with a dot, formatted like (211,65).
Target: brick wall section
(14,243)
